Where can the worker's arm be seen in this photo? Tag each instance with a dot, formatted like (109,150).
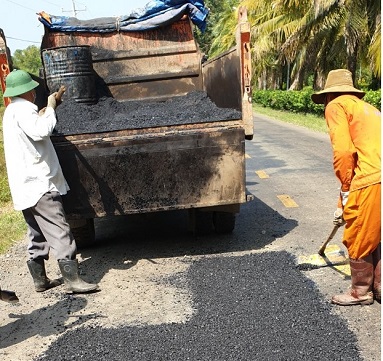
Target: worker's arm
(345,155)
(38,126)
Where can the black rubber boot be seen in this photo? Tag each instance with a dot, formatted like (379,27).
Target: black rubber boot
(73,282)
(40,279)
(8,296)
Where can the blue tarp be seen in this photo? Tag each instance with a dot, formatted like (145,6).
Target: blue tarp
(156,13)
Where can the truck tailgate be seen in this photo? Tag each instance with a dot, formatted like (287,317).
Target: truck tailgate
(126,172)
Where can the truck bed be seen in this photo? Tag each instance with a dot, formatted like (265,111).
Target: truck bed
(168,133)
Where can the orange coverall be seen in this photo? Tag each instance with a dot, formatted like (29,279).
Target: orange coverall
(355,134)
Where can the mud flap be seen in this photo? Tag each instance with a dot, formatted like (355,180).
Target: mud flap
(202,222)
(224,222)
(83,232)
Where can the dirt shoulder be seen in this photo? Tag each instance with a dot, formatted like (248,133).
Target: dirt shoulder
(144,297)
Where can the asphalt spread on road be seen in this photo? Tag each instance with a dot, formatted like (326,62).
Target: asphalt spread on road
(252,307)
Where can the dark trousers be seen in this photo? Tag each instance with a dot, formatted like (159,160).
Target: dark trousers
(49,229)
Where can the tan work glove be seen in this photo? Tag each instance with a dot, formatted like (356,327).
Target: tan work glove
(338,217)
(52,101)
(344,197)
(42,111)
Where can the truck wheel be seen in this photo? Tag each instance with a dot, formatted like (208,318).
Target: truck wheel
(201,222)
(224,222)
(83,232)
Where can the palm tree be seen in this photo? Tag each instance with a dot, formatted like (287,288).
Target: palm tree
(220,29)
(223,33)
(295,39)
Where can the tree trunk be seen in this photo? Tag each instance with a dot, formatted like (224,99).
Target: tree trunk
(309,59)
(351,65)
(297,83)
(319,80)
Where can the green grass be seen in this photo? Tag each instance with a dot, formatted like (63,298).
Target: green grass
(12,227)
(309,121)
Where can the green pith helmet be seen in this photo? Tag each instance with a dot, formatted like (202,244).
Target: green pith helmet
(18,82)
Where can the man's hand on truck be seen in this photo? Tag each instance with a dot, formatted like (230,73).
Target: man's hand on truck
(54,99)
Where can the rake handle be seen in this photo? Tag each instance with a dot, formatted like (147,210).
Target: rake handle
(325,243)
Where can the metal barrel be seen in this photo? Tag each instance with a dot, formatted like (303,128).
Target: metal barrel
(72,67)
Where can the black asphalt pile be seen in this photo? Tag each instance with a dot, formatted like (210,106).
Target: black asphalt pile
(254,307)
(108,114)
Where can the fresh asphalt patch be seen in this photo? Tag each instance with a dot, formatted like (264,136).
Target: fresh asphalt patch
(252,307)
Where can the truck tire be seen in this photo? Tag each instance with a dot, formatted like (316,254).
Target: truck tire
(83,232)
(224,222)
(201,222)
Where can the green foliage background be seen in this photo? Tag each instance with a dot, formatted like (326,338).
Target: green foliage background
(28,59)
(300,101)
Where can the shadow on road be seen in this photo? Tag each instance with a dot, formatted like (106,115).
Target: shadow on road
(46,321)
(124,240)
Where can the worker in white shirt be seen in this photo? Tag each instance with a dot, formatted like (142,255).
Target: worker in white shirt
(37,183)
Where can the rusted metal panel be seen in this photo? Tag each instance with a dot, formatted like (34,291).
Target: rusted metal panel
(141,174)
(227,77)
(158,89)
(4,64)
(176,36)
(136,65)
(121,70)
(243,40)
(222,79)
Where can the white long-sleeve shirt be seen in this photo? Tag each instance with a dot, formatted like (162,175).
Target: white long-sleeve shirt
(32,164)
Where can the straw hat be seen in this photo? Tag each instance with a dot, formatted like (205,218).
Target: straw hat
(338,81)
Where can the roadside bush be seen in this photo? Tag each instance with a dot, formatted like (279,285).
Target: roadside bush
(374,98)
(300,101)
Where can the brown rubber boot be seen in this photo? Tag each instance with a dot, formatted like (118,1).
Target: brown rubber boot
(8,296)
(362,276)
(72,280)
(42,282)
(376,255)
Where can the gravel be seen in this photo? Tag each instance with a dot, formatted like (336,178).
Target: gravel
(108,114)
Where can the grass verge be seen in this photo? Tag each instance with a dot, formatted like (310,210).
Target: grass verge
(309,121)
(12,227)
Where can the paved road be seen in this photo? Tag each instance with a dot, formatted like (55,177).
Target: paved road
(249,300)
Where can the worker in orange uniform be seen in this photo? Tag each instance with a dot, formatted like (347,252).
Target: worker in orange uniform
(355,133)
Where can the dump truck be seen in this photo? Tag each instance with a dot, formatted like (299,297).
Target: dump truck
(195,166)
